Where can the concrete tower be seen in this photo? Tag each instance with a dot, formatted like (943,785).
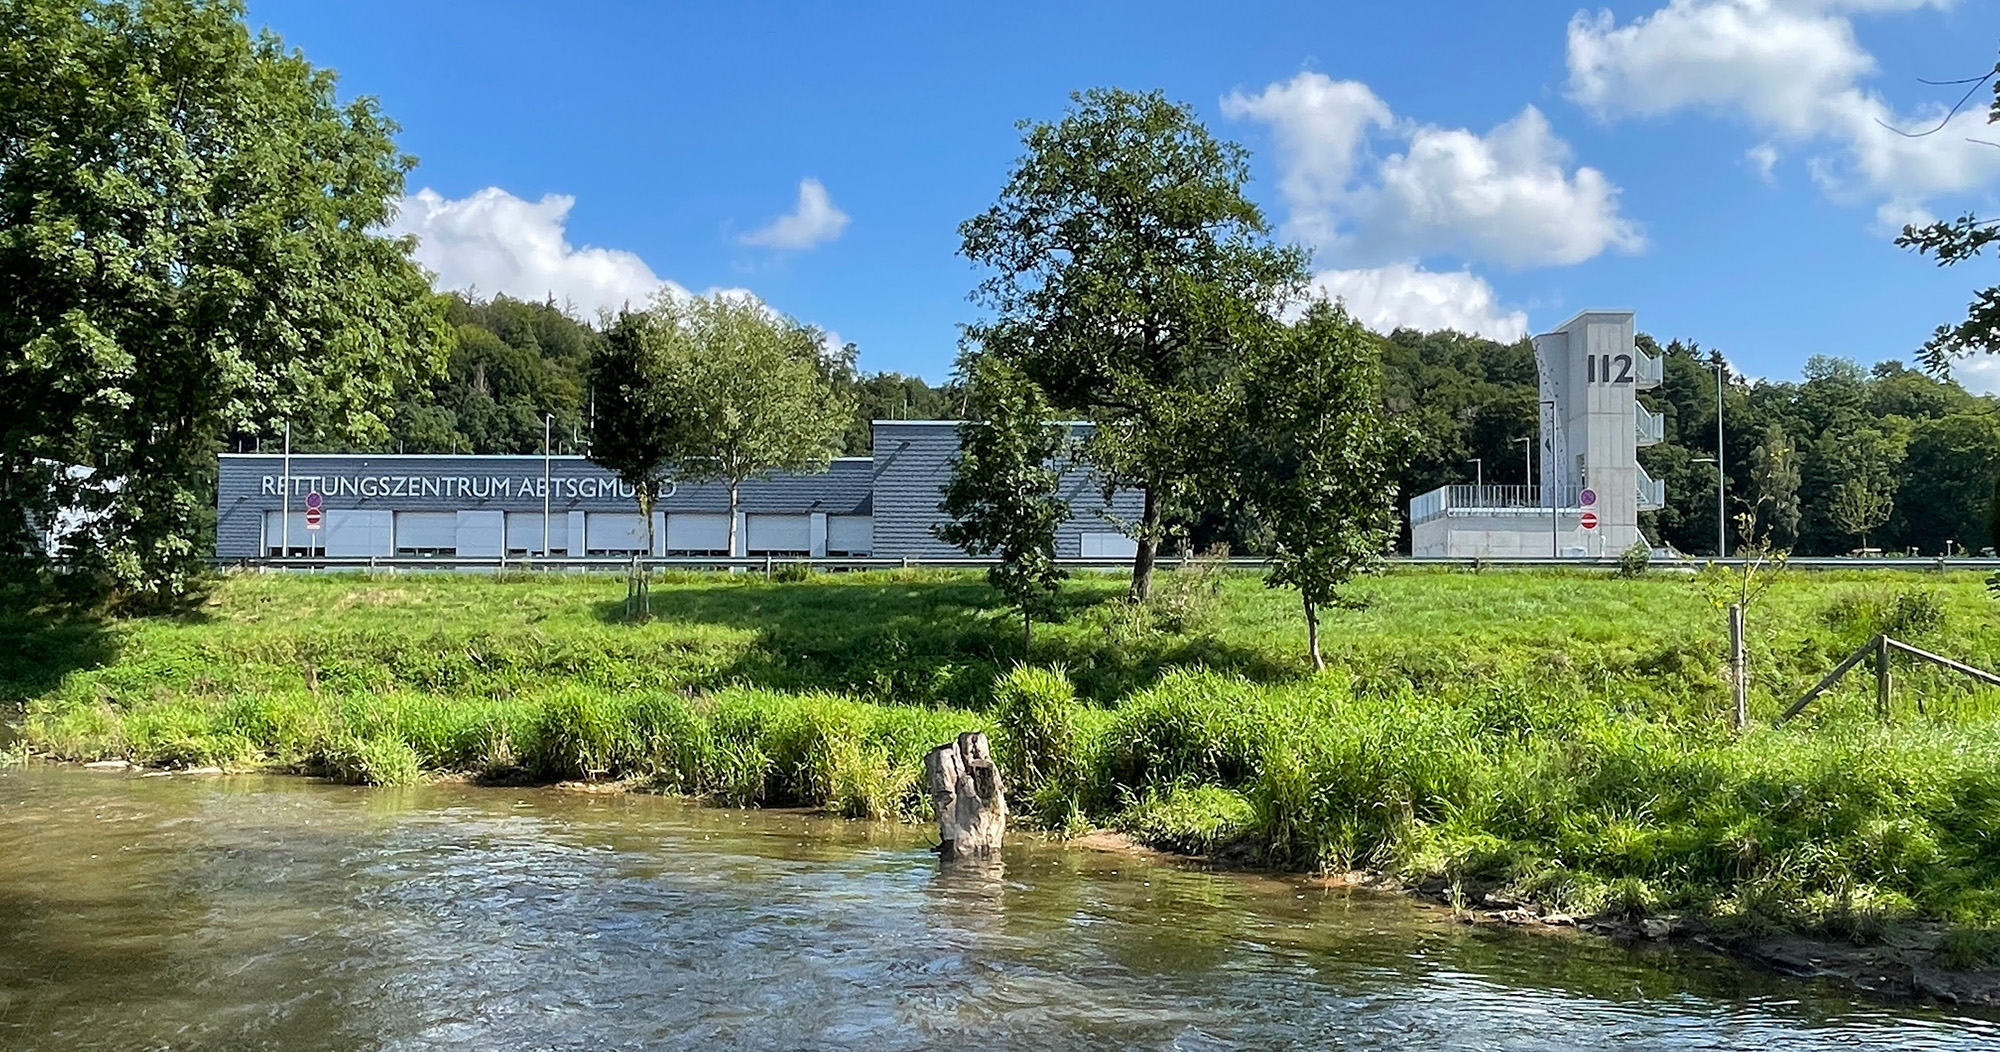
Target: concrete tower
(1593,425)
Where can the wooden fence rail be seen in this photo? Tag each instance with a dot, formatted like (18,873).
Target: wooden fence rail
(1881,647)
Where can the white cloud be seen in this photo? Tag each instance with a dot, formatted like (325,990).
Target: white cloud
(495,242)
(1789,69)
(1403,295)
(1508,196)
(1979,374)
(1764,158)
(814,221)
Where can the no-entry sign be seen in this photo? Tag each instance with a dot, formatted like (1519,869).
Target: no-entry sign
(1588,521)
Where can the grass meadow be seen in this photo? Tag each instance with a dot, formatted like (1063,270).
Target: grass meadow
(1556,736)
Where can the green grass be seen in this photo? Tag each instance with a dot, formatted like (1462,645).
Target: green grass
(1556,735)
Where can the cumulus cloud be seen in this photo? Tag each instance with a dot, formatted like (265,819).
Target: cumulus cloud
(1509,196)
(1979,374)
(1764,158)
(495,242)
(1404,295)
(814,221)
(1789,69)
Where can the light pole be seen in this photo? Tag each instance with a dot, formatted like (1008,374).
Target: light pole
(1478,477)
(1721,552)
(1527,443)
(1721,475)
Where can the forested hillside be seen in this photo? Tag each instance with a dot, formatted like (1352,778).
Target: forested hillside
(1922,450)
(516,361)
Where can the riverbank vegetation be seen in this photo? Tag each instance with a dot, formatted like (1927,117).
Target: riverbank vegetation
(1560,737)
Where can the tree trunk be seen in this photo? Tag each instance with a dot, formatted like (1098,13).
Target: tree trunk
(1149,547)
(638,596)
(1312,636)
(967,795)
(732,518)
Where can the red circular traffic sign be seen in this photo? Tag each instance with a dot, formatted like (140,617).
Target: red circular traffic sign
(1589,520)
(312,518)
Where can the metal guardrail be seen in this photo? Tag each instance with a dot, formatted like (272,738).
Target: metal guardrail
(603,564)
(1649,428)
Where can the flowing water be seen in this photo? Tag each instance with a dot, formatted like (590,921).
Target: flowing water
(271,913)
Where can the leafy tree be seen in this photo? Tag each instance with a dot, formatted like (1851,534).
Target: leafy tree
(1004,496)
(1859,507)
(1774,487)
(1126,267)
(187,248)
(747,395)
(1953,242)
(639,430)
(1319,463)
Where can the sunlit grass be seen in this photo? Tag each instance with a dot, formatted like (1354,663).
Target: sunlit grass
(1559,734)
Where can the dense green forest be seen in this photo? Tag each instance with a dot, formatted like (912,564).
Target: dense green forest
(516,362)
(1924,447)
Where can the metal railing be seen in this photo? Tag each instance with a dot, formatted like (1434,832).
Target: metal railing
(1652,492)
(1647,370)
(1444,499)
(1650,427)
(602,564)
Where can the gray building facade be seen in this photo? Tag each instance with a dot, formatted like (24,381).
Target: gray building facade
(415,505)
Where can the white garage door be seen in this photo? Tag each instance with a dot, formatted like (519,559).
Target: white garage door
(357,533)
(778,535)
(427,533)
(524,532)
(615,532)
(850,534)
(698,532)
(482,533)
(1109,546)
(301,539)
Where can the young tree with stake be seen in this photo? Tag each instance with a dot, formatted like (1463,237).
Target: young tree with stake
(1318,461)
(1003,497)
(639,430)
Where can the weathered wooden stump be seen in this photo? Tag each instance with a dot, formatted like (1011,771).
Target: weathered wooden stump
(971,804)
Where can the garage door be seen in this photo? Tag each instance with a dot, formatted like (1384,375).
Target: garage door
(302,540)
(850,534)
(778,535)
(698,533)
(426,533)
(614,532)
(524,532)
(358,533)
(482,533)
(1109,546)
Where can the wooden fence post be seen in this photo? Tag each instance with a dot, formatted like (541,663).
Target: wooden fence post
(1882,676)
(1738,689)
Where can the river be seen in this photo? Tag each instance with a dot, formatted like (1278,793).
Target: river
(277,913)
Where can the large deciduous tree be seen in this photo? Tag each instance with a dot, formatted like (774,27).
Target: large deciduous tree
(189,245)
(1318,462)
(756,399)
(718,389)
(1126,269)
(1004,495)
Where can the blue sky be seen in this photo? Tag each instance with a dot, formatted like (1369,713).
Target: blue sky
(1719,166)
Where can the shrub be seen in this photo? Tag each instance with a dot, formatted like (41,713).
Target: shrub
(1194,820)
(370,761)
(1633,561)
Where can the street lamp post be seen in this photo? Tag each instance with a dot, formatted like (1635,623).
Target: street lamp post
(1721,475)
(1527,443)
(1479,478)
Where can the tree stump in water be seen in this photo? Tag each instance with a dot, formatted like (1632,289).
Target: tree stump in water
(965,789)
